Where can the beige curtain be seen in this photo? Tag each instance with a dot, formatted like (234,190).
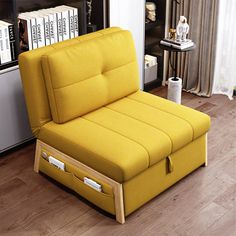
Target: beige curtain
(196,68)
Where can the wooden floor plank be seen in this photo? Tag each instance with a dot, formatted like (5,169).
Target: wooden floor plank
(201,221)
(225,226)
(203,203)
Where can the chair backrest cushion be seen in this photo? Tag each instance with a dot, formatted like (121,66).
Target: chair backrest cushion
(86,76)
(30,64)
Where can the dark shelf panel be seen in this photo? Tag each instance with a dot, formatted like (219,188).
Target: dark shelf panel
(153,84)
(151,25)
(8,65)
(156,51)
(150,42)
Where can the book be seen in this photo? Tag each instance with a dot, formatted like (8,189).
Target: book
(12,39)
(65,22)
(5,44)
(46,24)
(71,20)
(180,47)
(1,45)
(59,24)
(39,28)
(52,25)
(27,31)
(25,35)
(34,36)
(76,21)
(179,43)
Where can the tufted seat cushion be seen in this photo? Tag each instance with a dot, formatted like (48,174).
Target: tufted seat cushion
(124,138)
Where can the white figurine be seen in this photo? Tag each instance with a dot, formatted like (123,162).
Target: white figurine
(150,11)
(182,29)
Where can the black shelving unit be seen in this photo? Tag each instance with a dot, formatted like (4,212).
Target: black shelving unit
(10,9)
(154,32)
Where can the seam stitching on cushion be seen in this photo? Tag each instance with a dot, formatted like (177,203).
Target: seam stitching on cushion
(50,81)
(146,124)
(111,163)
(92,77)
(163,111)
(120,135)
(123,114)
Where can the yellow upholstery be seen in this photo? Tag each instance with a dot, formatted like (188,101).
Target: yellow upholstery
(199,121)
(90,85)
(33,80)
(125,138)
(83,99)
(99,148)
(156,179)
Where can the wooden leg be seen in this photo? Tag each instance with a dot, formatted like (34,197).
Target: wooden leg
(206,157)
(37,156)
(119,204)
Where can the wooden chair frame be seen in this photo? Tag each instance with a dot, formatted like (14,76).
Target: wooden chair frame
(116,187)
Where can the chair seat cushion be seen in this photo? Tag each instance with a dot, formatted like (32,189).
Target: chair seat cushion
(126,137)
(199,121)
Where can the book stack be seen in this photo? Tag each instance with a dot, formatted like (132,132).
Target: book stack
(7,43)
(177,44)
(47,26)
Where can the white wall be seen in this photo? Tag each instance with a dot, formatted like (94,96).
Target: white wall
(130,15)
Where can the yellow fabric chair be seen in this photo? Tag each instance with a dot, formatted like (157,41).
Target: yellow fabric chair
(86,111)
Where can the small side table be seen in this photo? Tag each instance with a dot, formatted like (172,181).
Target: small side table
(175,83)
(176,51)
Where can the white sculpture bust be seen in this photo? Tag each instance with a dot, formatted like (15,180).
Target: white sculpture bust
(182,29)
(151,11)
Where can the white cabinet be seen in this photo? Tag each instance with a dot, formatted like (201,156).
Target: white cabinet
(14,123)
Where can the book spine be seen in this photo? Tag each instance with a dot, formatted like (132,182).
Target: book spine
(25,34)
(1,44)
(176,46)
(177,43)
(12,41)
(165,43)
(6,54)
(47,30)
(172,42)
(169,44)
(72,25)
(59,27)
(76,22)
(40,31)
(53,27)
(34,33)
(65,24)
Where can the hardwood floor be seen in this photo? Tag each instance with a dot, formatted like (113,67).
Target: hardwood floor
(203,203)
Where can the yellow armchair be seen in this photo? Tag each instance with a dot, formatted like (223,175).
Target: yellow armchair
(97,133)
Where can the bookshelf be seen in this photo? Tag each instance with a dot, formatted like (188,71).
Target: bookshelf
(10,9)
(154,32)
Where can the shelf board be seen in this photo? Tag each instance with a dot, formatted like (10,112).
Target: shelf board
(8,65)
